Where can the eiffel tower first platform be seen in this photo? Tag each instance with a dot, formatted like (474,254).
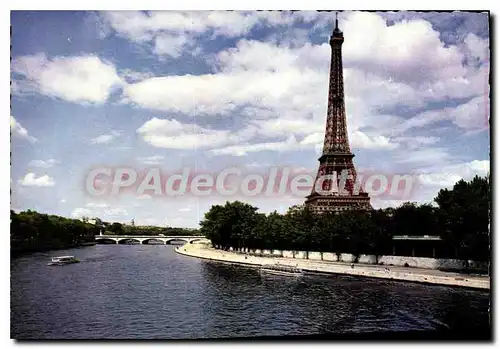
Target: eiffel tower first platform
(337,159)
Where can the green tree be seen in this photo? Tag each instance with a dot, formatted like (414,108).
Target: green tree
(380,233)
(461,218)
(117,228)
(32,231)
(300,222)
(407,220)
(465,216)
(229,225)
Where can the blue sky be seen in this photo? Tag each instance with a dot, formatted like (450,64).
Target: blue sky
(210,90)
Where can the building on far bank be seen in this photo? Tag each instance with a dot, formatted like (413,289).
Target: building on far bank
(430,246)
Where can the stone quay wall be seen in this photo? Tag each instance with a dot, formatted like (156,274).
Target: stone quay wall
(398,261)
(395,273)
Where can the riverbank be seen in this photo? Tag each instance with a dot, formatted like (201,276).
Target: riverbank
(427,276)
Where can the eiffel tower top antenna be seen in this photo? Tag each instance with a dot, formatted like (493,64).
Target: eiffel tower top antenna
(336,31)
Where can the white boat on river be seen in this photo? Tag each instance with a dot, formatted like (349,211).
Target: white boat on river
(62,260)
(277,269)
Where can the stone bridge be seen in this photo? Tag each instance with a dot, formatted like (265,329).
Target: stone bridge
(145,239)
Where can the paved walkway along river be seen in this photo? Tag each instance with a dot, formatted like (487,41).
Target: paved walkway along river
(365,270)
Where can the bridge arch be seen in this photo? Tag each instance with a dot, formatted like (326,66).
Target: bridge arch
(169,241)
(198,239)
(106,241)
(147,241)
(125,240)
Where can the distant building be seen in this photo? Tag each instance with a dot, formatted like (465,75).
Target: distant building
(88,220)
(429,246)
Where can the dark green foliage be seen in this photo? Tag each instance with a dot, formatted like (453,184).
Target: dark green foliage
(150,230)
(33,231)
(461,220)
(234,225)
(464,216)
(239,225)
(116,228)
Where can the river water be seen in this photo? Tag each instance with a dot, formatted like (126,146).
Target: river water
(150,292)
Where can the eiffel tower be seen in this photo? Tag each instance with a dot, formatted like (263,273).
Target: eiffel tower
(335,164)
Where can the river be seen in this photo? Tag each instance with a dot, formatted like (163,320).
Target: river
(150,292)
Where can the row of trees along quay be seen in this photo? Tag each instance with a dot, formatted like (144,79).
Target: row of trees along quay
(460,218)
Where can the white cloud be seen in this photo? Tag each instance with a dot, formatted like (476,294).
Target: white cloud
(276,127)
(435,177)
(473,115)
(477,167)
(19,131)
(363,141)
(358,140)
(139,26)
(172,33)
(423,156)
(425,118)
(170,45)
(76,79)
(31,181)
(99,209)
(214,93)
(115,211)
(152,160)
(416,142)
(317,138)
(470,116)
(123,148)
(255,75)
(256,164)
(477,48)
(97,205)
(439,179)
(381,203)
(172,134)
(106,138)
(44,163)
(131,76)
(400,51)
(465,170)
(274,93)
(271,127)
(240,150)
(80,212)
(281,90)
